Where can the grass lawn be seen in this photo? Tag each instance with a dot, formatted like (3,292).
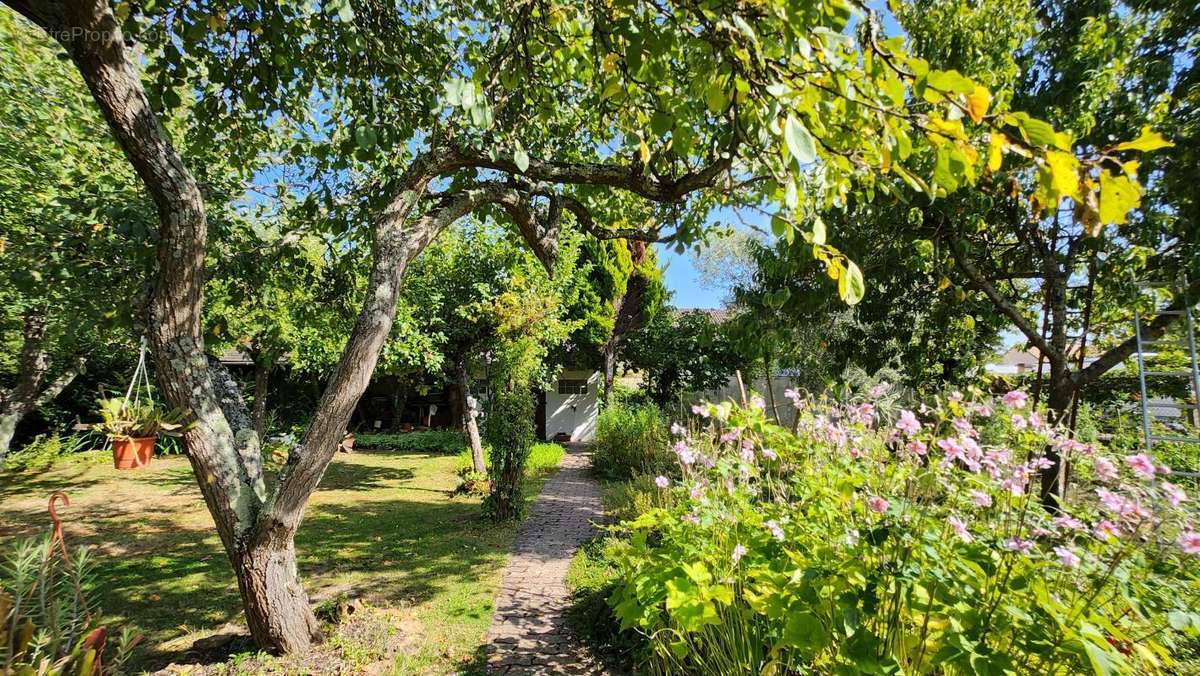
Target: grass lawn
(382,527)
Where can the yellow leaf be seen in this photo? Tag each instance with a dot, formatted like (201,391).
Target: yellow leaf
(644,150)
(996,151)
(943,283)
(978,102)
(1064,173)
(610,63)
(1118,196)
(886,165)
(1131,168)
(1149,140)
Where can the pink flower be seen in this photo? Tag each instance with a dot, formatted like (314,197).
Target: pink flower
(1068,522)
(1035,420)
(1018,545)
(981,499)
(908,423)
(1107,529)
(793,395)
(747,454)
(865,414)
(1111,501)
(729,436)
(960,529)
(685,453)
(699,410)
(692,519)
(877,504)
(952,449)
(662,481)
(1018,421)
(956,396)
(758,402)
(776,530)
(738,552)
(1189,542)
(855,453)
(963,425)
(696,492)
(983,410)
(769,454)
(1105,469)
(1066,557)
(1015,399)
(1141,464)
(678,430)
(1175,494)
(880,389)
(916,447)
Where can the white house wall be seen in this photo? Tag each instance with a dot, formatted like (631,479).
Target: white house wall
(574,414)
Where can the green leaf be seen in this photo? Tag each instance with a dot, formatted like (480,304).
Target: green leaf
(818,231)
(1037,131)
(714,97)
(521,159)
(799,141)
(850,284)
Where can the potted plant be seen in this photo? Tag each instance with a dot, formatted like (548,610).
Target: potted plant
(133,428)
(347,445)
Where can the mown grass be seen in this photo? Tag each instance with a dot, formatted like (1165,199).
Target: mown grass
(382,527)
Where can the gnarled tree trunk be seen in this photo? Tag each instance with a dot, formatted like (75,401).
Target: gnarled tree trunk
(31,389)
(470,409)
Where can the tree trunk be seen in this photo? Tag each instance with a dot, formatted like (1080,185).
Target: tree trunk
(262,381)
(8,427)
(1061,392)
(31,389)
(277,608)
(609,353)
(470,409)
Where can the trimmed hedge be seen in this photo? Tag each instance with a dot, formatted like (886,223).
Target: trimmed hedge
(432,441)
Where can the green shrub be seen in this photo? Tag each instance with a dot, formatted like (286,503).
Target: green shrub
(45,449)
(48,624)
(869,542)
(591,579)
(433,441)
(544,457)
(508,431)
(625,500)
(629,441)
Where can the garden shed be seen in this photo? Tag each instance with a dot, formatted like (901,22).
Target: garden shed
(571,406)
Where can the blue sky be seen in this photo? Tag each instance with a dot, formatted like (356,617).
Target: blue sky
(680,278)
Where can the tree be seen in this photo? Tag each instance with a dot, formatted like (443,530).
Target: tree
(475,292)
(681,351)
(909,319)
(539,111)
(71,228)
(1051,260)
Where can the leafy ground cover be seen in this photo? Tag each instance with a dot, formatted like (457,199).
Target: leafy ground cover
(382,535)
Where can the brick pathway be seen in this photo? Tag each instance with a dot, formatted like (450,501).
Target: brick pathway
(529,633)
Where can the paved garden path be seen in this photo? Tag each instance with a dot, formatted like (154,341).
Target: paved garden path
(529,633)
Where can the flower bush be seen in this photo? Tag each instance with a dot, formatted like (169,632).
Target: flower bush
(882,540)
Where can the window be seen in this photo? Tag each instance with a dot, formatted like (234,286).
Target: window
(572,385)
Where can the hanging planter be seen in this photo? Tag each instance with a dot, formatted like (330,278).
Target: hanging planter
(132,423)
(133,428)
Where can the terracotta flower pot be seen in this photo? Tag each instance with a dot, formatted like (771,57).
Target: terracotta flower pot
(133,452)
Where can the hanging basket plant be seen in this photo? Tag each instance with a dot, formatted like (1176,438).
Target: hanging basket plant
(133,422)
(133,427)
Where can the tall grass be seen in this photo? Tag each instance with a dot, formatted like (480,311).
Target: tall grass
(631,440)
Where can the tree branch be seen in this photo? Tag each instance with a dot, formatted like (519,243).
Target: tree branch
(979,281)
(1152,330)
